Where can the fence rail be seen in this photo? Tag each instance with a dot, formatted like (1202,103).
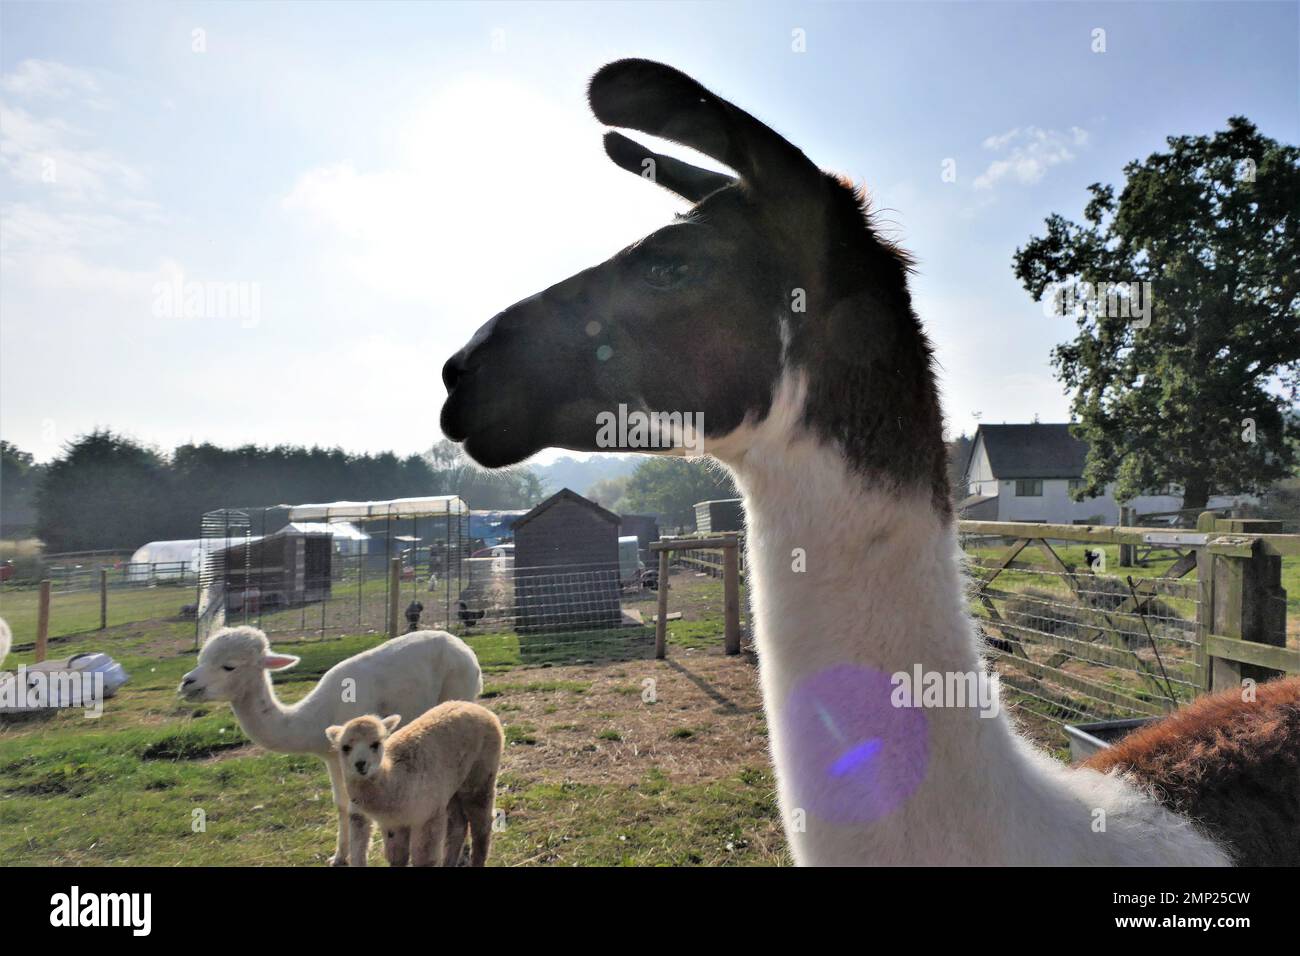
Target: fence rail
(1081,636)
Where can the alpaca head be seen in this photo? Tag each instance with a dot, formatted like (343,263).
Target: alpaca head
(231,663)
(360,743)
(772,272)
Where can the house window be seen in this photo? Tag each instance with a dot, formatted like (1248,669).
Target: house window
(1029,487)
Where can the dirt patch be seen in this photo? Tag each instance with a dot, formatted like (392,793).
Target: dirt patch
(596,723)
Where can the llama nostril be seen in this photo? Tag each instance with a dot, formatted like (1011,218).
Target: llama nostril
(187,682)
(361,766)
(452,371)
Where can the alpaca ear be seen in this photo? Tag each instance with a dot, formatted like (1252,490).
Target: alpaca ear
(332,734)
(279,662)
(390,723)
(689,182)
(664,102)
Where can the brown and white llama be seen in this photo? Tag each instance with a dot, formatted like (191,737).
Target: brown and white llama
(774,309)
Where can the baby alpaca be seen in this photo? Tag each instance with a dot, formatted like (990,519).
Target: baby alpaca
(443,764)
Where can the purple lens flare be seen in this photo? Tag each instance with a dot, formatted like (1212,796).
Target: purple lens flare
(857,757)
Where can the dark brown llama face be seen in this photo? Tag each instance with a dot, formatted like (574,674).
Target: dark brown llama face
(686,322)
(775,271)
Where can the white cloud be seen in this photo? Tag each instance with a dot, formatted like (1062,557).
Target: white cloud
(1028,153)
(494,193)
(51,80)
(52,153)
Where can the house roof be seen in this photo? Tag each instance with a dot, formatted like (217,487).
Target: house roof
(1030,451)
(564,494)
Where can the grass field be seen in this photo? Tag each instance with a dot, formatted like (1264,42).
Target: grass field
(591,775)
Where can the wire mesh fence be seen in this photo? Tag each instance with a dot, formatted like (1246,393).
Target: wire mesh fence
(1076,642)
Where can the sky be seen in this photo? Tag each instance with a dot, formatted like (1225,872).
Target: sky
(273,222)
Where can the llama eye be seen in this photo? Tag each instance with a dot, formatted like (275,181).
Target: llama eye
(665,275)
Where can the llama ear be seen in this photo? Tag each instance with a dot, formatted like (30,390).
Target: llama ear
(390,723)
(689,182)
(332,734)
(664,102)
(279,662)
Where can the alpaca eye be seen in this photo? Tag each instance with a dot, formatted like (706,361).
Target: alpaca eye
(227,667)
(347,748)
(375,745)
(665,275)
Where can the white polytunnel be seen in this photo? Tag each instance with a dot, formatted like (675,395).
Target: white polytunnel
(374,510)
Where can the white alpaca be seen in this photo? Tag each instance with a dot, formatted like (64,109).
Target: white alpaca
(6,640)
(445,760)
(408,674)
(883,591)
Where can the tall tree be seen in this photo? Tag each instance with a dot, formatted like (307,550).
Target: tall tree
(103,493)
(670,487)
(1194,391)
(19,476)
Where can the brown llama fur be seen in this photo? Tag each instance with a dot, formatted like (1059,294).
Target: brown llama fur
(1231,765)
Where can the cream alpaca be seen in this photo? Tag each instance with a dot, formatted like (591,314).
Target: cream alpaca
(411,673)
(407,781)
(6,640)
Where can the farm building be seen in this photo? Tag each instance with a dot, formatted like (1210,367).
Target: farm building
(1026,473)
(646,529)
(725,514)
(286,568)
(348,539)
(566,565)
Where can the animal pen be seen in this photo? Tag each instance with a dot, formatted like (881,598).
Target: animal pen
(566,600)
(341,566)
(1078,636)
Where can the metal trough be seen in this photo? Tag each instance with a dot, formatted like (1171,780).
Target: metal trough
(1088,739)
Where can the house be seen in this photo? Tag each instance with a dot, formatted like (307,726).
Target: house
(1026,473)
(566,565)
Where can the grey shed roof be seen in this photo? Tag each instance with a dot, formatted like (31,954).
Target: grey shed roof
(564,494)
(1031,451)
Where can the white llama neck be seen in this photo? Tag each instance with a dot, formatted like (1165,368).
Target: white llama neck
(862,782)
(283,729)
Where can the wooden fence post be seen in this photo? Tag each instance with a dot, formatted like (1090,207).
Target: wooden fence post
(394,595)
(43,621)
(1248,602)
(103,598)
(661,624)
(731,598)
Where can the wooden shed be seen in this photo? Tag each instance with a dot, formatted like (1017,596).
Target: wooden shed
(646,529)
(282,569)
(725,514)
(566,566)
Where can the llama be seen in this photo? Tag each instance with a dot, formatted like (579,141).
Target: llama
(816,384)
(411,673)
(423,783)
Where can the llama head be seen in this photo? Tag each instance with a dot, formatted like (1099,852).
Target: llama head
(360,742)
(772,272)
(231,663)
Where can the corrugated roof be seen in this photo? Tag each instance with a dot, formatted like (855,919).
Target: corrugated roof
(1031,451)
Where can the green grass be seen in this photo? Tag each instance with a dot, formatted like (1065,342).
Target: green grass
(157,781)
